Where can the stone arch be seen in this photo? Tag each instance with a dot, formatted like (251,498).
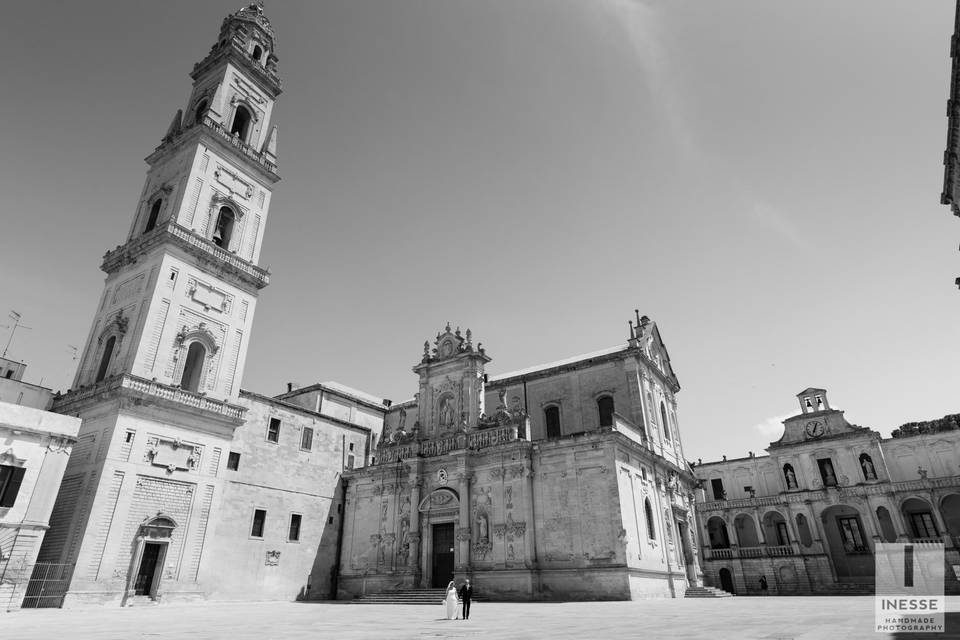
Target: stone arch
(109,344)
(847,542)
(775,529)
(887,530)
(918,515)
(186,354)
(717,534)
(746,529)
(950,511)
(440,499)
(803,530)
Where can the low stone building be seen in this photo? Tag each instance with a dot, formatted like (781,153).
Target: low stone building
(572,487)
(807,517)
(34,447)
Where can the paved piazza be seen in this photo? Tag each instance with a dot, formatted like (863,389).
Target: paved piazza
(741,618)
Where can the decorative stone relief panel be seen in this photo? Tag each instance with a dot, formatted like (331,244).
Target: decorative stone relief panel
(233,182)
(173,454)
(209,297)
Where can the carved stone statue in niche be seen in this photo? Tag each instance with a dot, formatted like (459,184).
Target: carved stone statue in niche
(483,527)
(446,412)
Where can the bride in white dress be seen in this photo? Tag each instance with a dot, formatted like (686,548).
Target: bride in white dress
(450,602)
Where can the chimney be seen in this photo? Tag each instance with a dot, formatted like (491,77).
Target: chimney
(292,386)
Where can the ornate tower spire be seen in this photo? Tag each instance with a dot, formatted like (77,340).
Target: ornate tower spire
(186,278)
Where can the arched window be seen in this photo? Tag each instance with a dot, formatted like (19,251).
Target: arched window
(193,369)
(257,53)
(223,230)
(866,465)
(241,122)
(154,214)
(605,408)
(551,417)
(664,421)
(202,110)
(105,358)
(648,512)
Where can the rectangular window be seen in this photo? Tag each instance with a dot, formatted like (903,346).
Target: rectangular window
(294,534)
(551,416)
(852,535)
(923,526)
(233,461)
(826,472)
(350,461)
(718,492)
(306,439)
(351,446)
(273,431)
(259,520)
(10,479)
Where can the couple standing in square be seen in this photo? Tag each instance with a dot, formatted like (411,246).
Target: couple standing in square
(450,602)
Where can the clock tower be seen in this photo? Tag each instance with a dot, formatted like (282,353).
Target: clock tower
(159,378)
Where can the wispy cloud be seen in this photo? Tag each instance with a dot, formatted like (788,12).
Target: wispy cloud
(772,427)
(643,24)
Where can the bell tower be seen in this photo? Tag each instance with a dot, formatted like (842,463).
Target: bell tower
(180,292)
(158,383)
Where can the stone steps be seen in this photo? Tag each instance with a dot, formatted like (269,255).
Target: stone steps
(405,596)
(706,592)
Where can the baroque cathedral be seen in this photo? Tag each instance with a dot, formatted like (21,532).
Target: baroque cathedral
(563,481)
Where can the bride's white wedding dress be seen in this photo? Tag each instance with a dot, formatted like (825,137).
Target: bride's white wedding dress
(450,604)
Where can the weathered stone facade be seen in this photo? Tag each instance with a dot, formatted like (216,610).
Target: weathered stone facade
(572,487)
(34,448)
(808,516)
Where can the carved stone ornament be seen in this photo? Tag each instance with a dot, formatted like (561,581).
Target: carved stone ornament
(233,182)
(482,549)
(9,459)
(272,558)
(173,454)
(199,333)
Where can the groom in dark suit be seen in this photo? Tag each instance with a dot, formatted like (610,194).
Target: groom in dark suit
(466,594)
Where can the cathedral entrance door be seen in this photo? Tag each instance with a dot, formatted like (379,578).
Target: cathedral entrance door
(443,545)
(148,569)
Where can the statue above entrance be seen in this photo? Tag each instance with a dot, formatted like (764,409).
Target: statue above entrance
(450,398)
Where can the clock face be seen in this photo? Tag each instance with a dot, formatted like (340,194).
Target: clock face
(814,428)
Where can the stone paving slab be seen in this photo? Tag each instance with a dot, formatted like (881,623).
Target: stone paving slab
(741,618)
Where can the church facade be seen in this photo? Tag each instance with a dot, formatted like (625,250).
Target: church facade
(182,486)
(807,517)
(572,486)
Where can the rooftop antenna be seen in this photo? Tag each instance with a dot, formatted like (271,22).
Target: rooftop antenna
(16,325)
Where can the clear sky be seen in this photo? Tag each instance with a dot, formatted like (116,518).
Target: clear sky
(760,177)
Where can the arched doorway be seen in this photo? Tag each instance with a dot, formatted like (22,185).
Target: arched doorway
(746,531)
(439,510)
(717,533)
(921,524)
(847,542)
(150,552)
(726,581)
(950,510)
(775,529)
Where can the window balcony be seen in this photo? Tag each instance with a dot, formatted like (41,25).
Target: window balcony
(244,271)
(172,395)
(234,141)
